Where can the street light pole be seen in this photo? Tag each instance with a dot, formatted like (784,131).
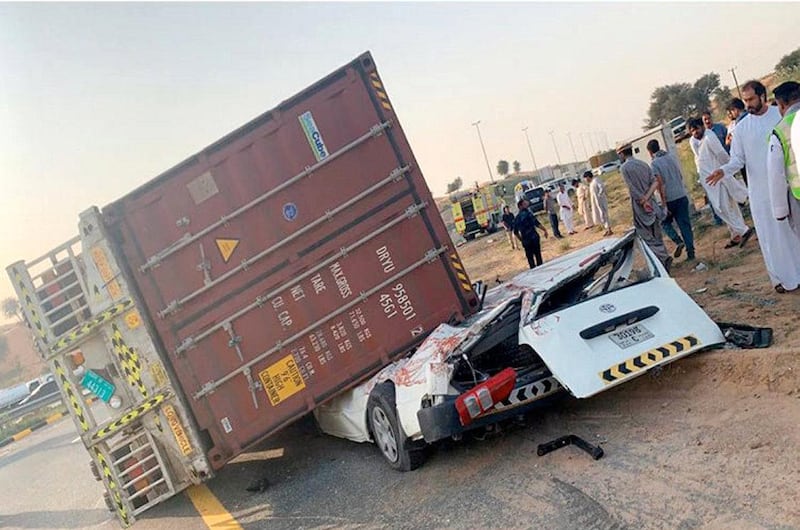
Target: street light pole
(530,149)
(591,142)
(733,73)
(480,139)
(583,144)
(574,156)
(558,157)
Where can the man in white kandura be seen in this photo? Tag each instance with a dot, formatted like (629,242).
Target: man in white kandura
(726,194)
(780,246)
(584,206)
(599,202)
(565,204)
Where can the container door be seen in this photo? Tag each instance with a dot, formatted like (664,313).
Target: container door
(458,218)
(481,212)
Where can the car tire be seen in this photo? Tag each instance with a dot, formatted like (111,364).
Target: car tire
(401,453)
(469,237)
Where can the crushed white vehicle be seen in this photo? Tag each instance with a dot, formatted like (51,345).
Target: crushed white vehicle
(582,323)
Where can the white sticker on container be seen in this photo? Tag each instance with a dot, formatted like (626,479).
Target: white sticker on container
(313,136)
(226,424)
(202,188)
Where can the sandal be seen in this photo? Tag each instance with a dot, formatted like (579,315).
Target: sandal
(746,236)
(734,243)
(780,289)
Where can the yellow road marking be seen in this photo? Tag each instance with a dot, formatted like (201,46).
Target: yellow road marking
(54,417)
(20,435)
(210,509)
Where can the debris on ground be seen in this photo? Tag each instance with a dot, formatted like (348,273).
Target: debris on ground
(596,452)
(745,336)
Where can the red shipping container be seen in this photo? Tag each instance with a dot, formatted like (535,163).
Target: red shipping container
(291,259)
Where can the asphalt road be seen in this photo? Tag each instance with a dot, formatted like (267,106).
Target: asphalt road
(662,469)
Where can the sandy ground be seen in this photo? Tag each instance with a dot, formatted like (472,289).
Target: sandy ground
(737,424)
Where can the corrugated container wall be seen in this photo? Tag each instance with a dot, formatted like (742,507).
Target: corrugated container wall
(291,259)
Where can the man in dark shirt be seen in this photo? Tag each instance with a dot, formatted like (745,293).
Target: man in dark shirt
(551,205)
(508,223)
(720,130)
(525,228)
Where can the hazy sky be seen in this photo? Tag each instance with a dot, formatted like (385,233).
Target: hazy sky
(97,99)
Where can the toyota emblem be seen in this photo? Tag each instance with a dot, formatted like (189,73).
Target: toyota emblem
(608,308)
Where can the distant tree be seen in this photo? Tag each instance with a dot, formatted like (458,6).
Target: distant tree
(704,87)
(666,102)
(455,185)
(517,166)
(722,96)
(502,168)
(681,99)
(790,61)
(10,308)
(787,74)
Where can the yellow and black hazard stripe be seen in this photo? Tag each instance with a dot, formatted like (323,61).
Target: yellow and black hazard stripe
(128,418)
(27,297)
(462,275)
(129,360)
(648,358)
(380,91)
(86,328)
(74,400)
(113,487)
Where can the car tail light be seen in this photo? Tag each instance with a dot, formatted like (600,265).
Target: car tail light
(484,396)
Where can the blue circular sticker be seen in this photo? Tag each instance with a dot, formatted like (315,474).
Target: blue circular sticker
(290,211)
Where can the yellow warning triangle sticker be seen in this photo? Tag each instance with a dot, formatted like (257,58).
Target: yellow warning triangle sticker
(226,248)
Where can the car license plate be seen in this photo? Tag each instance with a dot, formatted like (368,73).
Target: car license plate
(630,336)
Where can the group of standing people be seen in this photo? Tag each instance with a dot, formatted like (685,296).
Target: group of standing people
(757,143)
(592,205)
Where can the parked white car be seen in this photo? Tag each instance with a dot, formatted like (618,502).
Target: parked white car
(678,128)
(582,323)
(606,168)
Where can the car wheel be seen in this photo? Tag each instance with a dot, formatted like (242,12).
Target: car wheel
(469,237)
(401,453)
